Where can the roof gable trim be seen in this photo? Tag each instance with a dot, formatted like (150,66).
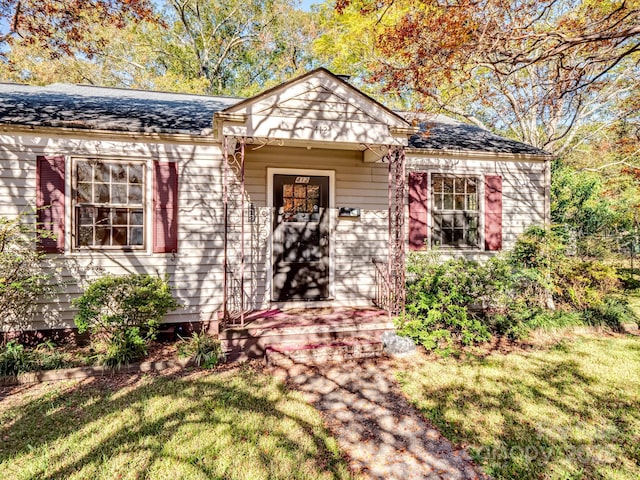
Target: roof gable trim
(320,87)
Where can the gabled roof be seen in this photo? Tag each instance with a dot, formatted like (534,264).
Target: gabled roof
(101,108)
(319,109)
(439,132)
(342,93)
(127,110)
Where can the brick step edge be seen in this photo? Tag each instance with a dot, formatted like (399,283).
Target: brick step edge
(233,333)
(323,352)
(80,373)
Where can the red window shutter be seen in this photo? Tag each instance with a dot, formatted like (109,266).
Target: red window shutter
(418,196)
(50,202)
(165,207)
(492,212)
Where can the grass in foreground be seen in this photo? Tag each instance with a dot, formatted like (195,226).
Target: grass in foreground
(234,425)
(569,412)
(634,302)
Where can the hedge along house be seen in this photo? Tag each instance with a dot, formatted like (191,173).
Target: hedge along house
(305,195)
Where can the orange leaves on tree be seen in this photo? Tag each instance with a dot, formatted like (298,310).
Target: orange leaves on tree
(64,27)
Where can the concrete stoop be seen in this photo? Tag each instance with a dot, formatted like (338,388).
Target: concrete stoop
(334,352)
(313,334)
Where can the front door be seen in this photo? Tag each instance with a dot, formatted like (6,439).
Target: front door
(300,237)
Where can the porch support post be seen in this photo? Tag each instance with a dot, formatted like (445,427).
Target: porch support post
(233,199)
(225,210)
(396,265)
(242,232)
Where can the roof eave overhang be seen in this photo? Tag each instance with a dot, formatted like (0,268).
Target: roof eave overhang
(478,154)
(204,137)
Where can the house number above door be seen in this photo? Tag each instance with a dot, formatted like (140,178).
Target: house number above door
(302,179)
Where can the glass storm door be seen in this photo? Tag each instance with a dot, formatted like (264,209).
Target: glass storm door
(300,237)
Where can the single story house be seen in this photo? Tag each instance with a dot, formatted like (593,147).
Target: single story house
(308,194)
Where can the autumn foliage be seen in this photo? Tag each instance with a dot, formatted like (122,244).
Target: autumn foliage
(66,26)
(535,69)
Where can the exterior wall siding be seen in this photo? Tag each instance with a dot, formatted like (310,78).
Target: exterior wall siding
(355,241)
(524,192)
(195,272)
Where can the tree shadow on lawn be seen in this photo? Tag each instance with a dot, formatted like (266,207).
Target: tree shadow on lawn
(236,424)
(552,421)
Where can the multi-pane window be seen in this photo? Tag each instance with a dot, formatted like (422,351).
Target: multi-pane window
(455,211)
(301,202)
(109,203)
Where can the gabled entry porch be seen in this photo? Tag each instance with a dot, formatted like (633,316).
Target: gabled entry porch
(313,195)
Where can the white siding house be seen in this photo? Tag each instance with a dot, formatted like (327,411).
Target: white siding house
(291,190)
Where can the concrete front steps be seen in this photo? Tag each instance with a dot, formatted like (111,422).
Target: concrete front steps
(284,355)
(314,336)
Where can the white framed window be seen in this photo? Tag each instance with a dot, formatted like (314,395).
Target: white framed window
(455,212)
(109,204)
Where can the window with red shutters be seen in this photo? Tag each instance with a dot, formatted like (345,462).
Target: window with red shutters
(109,204)
(165,207)
(50,202)
(453,204)
(456,212)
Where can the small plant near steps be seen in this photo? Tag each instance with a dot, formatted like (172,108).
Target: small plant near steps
(338,351)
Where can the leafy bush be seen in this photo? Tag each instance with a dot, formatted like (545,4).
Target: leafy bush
(537,248)
(440,297)
(23,278)
(16,359)
(112,303)
(583,284)
(536,285)
(48,358)
(123,313)
(613,312)
(205,350)
(124,346)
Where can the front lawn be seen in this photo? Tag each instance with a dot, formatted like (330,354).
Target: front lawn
(570,411)
(234,424)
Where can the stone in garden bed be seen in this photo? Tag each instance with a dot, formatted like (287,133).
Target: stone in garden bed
(396,345)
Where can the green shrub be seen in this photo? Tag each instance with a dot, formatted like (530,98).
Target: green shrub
(441,308)
(123,313)
(124,346)
(613,312)
(574,283)
(112,303)
(205,350)
(23,278)
(15,359)
(48,358)
(583,284)
(536,285)
(538,248)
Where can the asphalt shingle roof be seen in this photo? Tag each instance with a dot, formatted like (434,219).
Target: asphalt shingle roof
(89,107)
(117,109)
(439,132)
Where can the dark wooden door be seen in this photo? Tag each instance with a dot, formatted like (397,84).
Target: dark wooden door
(301,237)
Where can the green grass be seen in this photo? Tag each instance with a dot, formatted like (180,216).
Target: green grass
(569,412)
(238,424)
(634,302)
